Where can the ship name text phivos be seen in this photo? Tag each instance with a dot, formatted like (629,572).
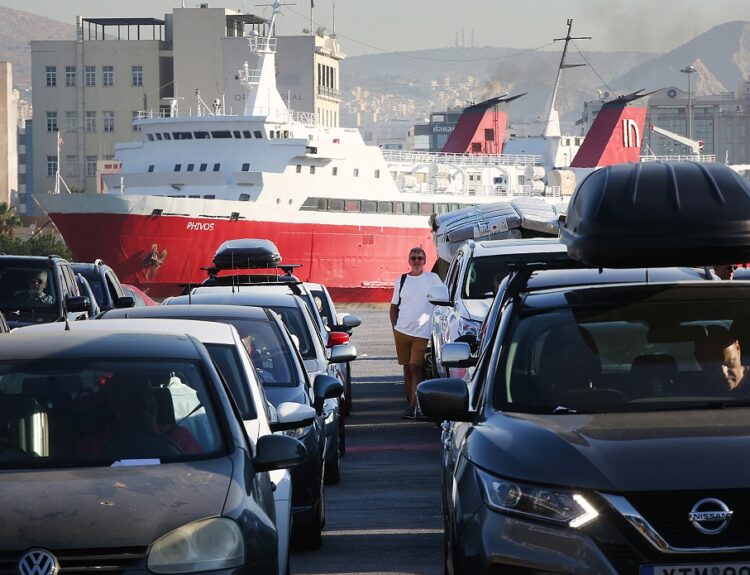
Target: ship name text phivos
(200,226)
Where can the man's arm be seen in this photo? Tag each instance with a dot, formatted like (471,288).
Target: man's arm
(393,313)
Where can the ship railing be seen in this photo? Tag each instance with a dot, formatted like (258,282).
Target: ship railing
(261,44)
(273,114)
(710,158)
(330,93)
(408,157)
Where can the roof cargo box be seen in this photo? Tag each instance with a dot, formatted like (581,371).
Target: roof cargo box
(658,214)
(246,253)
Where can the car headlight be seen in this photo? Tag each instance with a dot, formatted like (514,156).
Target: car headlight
(468,327)
(297,433)
(539,502)
(205,545)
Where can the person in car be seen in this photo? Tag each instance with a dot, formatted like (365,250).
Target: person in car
(410,315)
(134,408)
(725,272)
(36,290)
(721,348)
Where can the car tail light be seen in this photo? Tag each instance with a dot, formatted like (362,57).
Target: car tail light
(337,338)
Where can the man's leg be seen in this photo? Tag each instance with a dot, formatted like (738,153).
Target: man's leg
(413,378)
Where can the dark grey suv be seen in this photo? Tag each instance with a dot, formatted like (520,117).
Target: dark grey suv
(605,427)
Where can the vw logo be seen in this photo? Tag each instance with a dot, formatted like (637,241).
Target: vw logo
(710,516)
(38,562)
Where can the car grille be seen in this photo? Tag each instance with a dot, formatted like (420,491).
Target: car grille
(84,561)
(667,512)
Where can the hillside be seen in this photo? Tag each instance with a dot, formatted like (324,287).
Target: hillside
(17,29)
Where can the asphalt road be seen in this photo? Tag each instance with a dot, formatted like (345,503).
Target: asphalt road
(384,516)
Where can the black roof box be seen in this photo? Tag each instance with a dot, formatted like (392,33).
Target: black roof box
(657,214)
(246,253)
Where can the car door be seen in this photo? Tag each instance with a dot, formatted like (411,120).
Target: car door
(441,315)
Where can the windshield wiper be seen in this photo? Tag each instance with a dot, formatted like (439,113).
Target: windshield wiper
(561,409)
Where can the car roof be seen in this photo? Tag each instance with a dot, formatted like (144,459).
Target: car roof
(518,246)
(269,296)
(553,278)
(32,259)
(23,344)
(188,311)
(616,294)
(203,331)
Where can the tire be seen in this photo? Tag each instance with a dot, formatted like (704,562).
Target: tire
(310,537)
(332,473)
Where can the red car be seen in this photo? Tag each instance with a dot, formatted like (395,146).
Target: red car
(141,298)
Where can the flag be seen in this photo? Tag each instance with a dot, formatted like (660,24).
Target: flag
(59,139)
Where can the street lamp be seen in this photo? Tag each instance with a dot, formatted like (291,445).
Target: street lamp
(689,71)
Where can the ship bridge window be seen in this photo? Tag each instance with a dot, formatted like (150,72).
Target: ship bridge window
(190,167)
(385,207)
(377,174)
(441,208)
(167,136)
(334,171)
(426,209)
(245,167)
(209,197)
(244,197)
(270,135)
(455,207)
(312,169)
(335,205)
(369,206)
(286,133)
(258,134)
(411,208)
(217,167)
(195,197)
(237,134)
(182,135)
(317,204)
(177,167)
(203,167)
(221,133)
(299,169)
(158,136)
(247,134)
(355,173)
(151,168)
(201,135)
(351,206)
(398,207)
(150,137)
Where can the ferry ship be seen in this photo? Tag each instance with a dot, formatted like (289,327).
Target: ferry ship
(347,211)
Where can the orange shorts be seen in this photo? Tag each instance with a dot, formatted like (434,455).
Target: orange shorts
(409,349)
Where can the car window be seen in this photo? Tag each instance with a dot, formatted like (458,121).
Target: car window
(625,357)
(28,292)
(98,412)
(295,323)
(228,362)
(325,308)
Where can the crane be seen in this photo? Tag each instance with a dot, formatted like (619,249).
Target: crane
(696,146)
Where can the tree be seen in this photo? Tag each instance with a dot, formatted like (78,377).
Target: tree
(9,220)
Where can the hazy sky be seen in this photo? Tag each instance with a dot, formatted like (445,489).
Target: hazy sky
(366,26)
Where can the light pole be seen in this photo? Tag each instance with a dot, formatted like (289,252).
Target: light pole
(689,71)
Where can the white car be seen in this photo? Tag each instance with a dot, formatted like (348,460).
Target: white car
(230,356)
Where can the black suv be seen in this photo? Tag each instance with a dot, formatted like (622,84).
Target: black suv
(105,285)
(39,289)
(604,428)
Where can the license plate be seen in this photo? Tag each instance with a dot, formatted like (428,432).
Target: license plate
(704,569)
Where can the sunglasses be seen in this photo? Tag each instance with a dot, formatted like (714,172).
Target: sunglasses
(416,258)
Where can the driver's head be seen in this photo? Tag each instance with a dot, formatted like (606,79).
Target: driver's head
(720,350)
(38,281)
(132,401)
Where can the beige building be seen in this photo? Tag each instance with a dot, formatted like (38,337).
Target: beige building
(90,89)
(8,137)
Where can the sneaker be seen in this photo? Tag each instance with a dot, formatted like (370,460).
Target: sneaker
(421,416)
(409,413)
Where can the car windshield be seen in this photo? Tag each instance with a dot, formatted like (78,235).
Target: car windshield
(485,273)
(629,357)
(56,413)
(28,292)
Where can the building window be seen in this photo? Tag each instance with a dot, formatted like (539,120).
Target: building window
(177,167)
(52,121)
(71,165)
(134,117)
(356,172)
(312,169)
(71,121)
(190,167)
(108,75)
(335,171)
(136,75)
(109,121)
(51,72)
(89,76)
(70,75)
(299,169)
(151,168)
(51,165)
(91,122)
(217,167)
(203,167)
(90,166)
(245,167)
(377,174)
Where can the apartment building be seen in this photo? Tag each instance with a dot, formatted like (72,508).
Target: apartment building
(90,90)
(8,137)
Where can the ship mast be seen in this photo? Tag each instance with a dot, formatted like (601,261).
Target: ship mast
(553,120)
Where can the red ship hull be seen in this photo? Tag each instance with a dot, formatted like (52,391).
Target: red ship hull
(161,253)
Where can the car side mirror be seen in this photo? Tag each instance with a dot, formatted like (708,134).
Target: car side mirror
(124,302)
(444,399)
(325,387)
(343,353)
(77,303)
(438,295)
(278,452)
(293,416)
(469,338)
(457,354)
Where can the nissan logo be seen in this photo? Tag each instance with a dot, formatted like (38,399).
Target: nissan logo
(710,516)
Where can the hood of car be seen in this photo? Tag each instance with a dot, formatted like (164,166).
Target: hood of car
(108,506)
(674,450)
(477,308)
(277,395)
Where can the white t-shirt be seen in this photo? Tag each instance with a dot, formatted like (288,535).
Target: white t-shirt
(415,310)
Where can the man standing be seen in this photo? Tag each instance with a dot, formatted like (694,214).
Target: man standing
(410,315)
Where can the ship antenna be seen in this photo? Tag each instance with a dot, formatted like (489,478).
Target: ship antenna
(552,127)
(276,7)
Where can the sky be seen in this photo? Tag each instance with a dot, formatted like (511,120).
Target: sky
(376,26)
